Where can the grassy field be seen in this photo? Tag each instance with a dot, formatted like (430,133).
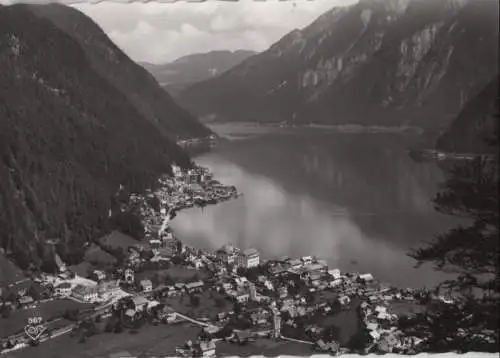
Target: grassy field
(149,341)
(48,310)
(208,306)
(178,273)
(9,272)
(97,256)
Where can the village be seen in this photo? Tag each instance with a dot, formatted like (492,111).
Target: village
(232,293)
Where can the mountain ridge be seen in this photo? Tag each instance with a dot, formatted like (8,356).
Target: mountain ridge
(68,140)
(401,62)
(184,71)
(137,84)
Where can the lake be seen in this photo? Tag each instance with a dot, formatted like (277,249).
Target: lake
(356,200)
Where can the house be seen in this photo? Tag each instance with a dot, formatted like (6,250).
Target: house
(242,337)
(283,292)
(295,264)
(99,275)
(63,289)
(107,288)
(85,293)
(242,297)
(26,301)
(197,263)
(227,254)
(335,273)
(140,302)
(204,349)
(146,285)
(194,286)
(367,277)
(307,260)
(249,258)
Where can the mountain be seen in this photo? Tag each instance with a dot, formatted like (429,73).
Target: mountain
(68,139)
(474,125)
(133,81)
(378,62)
(187,70)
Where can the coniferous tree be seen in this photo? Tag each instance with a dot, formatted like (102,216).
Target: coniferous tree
(470,251)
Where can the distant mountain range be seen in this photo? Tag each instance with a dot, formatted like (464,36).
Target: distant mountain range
(378,62)
(187,70)
(78,118)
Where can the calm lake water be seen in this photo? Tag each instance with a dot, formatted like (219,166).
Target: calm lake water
(356,200)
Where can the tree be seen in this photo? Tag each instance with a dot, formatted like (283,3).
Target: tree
(330,334)
(471,192)
(194,300)
(471,252)
(336,306)
(155,280)
(361,339)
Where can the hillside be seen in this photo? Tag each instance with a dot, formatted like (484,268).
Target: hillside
(378,62)
(68,139)
(179,74)
(475,124)
(133,81)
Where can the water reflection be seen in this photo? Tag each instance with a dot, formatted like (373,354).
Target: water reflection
(357,201)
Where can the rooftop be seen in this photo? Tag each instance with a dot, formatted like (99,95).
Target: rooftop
(250,252)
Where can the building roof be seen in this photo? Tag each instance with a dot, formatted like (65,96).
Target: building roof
(26,299)
(146,282)
(194,284)
(251,252)
(81,289)
(139,300)
(64,285)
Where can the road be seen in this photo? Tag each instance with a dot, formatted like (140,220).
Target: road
(296,340)
(165,222)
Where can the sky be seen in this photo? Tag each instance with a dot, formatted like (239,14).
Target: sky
(162,32)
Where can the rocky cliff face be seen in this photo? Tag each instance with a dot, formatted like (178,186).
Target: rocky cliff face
(185,71)
(475,125)
(397,62)
(133,81)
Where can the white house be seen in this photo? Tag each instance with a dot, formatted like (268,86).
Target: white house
(63,289)
(85,293)
(227,254)
(249,258)
(335,273)
(307,260)
(100,275)
(367,277)
(146,285)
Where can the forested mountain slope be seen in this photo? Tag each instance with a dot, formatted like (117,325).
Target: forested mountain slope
(133,81)
(68,139)
(475,124)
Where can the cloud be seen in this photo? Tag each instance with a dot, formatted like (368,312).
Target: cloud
(164,30)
